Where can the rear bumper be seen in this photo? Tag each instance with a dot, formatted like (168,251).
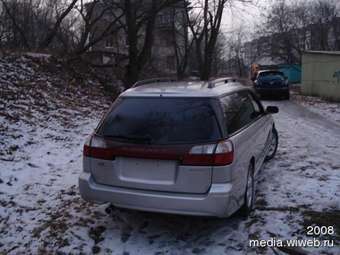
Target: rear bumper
(219,201)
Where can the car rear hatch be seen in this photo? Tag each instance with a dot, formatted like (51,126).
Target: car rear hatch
(271,80)
(143,143)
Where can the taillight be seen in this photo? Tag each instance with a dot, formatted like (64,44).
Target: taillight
(219,154)
(95,147)
(224,154)
(87,147)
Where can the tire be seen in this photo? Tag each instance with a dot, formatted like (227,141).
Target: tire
(249,195)
(273,145)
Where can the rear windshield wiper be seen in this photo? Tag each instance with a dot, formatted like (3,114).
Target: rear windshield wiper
(146,138)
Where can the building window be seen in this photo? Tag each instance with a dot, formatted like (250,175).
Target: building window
(165,19)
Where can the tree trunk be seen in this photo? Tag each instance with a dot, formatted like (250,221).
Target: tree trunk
(17,27)
(137,58)
(50,36)
(131,74)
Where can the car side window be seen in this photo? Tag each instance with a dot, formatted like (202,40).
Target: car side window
(257,105)
(231,105)
(238,111)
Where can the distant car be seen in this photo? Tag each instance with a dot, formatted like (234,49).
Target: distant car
(272,83)
(180,147)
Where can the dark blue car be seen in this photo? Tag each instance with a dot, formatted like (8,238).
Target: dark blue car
(272,83)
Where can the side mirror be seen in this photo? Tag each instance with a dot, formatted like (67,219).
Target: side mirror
(272,109)
(286,78)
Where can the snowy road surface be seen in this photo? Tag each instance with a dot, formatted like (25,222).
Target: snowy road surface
(41,211)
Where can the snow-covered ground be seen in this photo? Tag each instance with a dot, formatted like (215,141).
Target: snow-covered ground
(41,211)
(318,105)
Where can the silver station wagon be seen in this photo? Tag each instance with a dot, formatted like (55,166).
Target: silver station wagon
(180,147)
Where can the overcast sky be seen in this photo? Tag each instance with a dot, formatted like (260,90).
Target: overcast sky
(240,14)
(249,15)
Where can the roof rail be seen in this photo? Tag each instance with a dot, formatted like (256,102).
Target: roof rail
(212,83)
(153,80)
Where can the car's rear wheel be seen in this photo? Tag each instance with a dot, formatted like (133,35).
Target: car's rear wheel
(273,145)
(249,196)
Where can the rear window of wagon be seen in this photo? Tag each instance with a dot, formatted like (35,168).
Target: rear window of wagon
(161,121)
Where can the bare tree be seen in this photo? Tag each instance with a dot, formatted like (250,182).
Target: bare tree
(295,27)
(205,23)
(36,24)
(60,16)
(11,23)
(220,58)
(280,25)
(205,26)
(128,26)
(92,16)
(139,25)
(182,43)
(323,13)
(234,42)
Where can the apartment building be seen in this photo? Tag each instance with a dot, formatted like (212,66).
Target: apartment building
(170,33)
